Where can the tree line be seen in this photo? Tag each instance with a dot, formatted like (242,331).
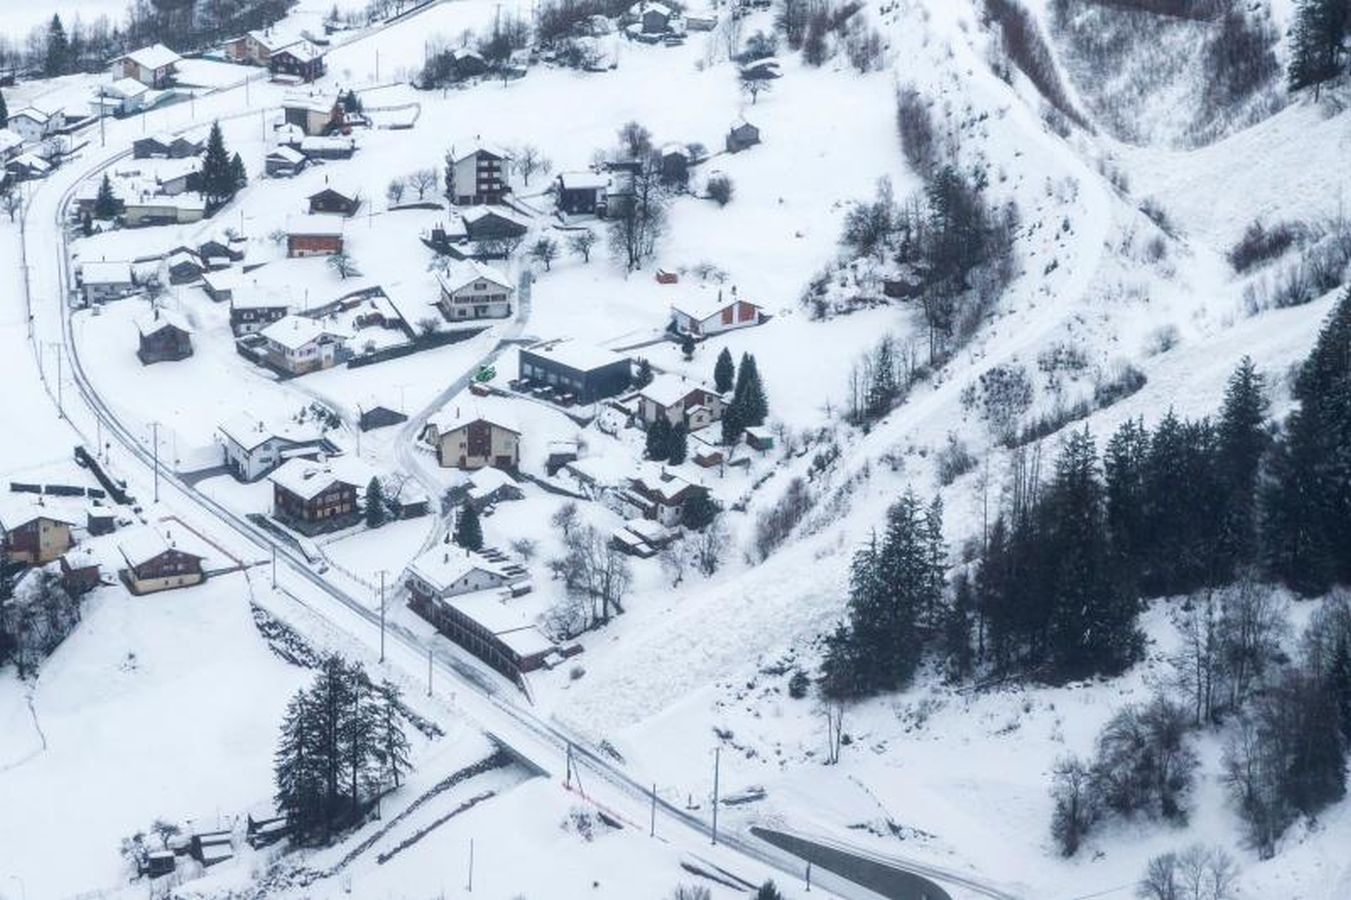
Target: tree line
(342,744)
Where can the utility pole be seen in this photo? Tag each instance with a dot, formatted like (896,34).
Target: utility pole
(652,830)
(155,429)
(717,759)
(471,865)
(273,545)
(382,615)
(60,407)
(809,876)
(429,671)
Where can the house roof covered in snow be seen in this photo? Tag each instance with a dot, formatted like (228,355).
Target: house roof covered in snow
(293,332)
(442,566)
(705,304)
(301,51)
(668,390)
(457,416)
(9,140)
(20,509)
(315,226)
(125,88)
(584,181)
(461,273)
(483,147)
(105,273)
(250,432)
(287,154)
(156,56)
(307,479)
(140,545)
(149,323)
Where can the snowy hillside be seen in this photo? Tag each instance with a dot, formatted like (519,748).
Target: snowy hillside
(604,684)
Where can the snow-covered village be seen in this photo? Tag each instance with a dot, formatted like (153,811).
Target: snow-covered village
(675,449)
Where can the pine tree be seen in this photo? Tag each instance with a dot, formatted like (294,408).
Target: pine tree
(468,531)
(239,177)
(1243,442)
(687,345)
(768,891)
(957,627)
(4,111)
(1093,621)
(724,372)
(677,446)
(644,376)
(297,767)
(105,204)
(376,513)
(217,180)
(1124,471)
(57,61)
(1316,42)
(936,553)
(1307,506)
(391,744)
(749,395)
(658,441)
(732,424)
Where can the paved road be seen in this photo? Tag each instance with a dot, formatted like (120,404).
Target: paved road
(888,881)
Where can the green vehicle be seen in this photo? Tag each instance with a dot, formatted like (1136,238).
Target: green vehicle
(485,374)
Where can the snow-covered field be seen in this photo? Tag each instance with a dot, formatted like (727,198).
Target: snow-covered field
(168,705)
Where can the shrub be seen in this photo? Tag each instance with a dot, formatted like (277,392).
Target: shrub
(1260,244)
(720,189)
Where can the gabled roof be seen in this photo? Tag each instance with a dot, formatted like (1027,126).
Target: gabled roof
(315,226)
(478,213)
(485,148)
(106,273)
(308,480)
(31,112)
(293,332)
(250,432)
(668,390)
(309,102)
(583,181)
(20,509)
(706,304)
(222,279)
(156,56)
(301,51)
(150,323)
(334,191)
(461,273)
(453,418)
(124,88)
(9,140)
(647,6)
(287,154)
(141,545)
(441,567)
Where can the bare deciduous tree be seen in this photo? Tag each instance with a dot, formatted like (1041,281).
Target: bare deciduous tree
(528,160)
(422,181)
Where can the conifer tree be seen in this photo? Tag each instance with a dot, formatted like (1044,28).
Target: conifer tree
(749,396)
(4,111)
(1124,471)
(677,444)
(105,204)
(1242,443)
(57,61)
(724,372)
(1316,42)
(468,531)
(391,743)
(217,179)
(658,442)
(239,177)
(376,514)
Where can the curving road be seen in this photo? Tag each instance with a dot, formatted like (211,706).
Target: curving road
(486,699)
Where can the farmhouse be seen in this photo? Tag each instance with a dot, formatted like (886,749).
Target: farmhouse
(152,66)
(471,290)
(253,311)
(680,402)
(465,439)
(651,17)
(257,47)
(33,124)
(586,373)
(741,136)
(330,200)
(464,596)
(284,162)
(32,532)
(704,314)
(104,281)
(479,175)
(314,236)
(154,563)
(492,225)
(27,166)
(312,497)
(296,344)
(658,494)
(302,60)
(165,337)
(218,252)
(253,448)
(490,486)
(675,165)
(582,193)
